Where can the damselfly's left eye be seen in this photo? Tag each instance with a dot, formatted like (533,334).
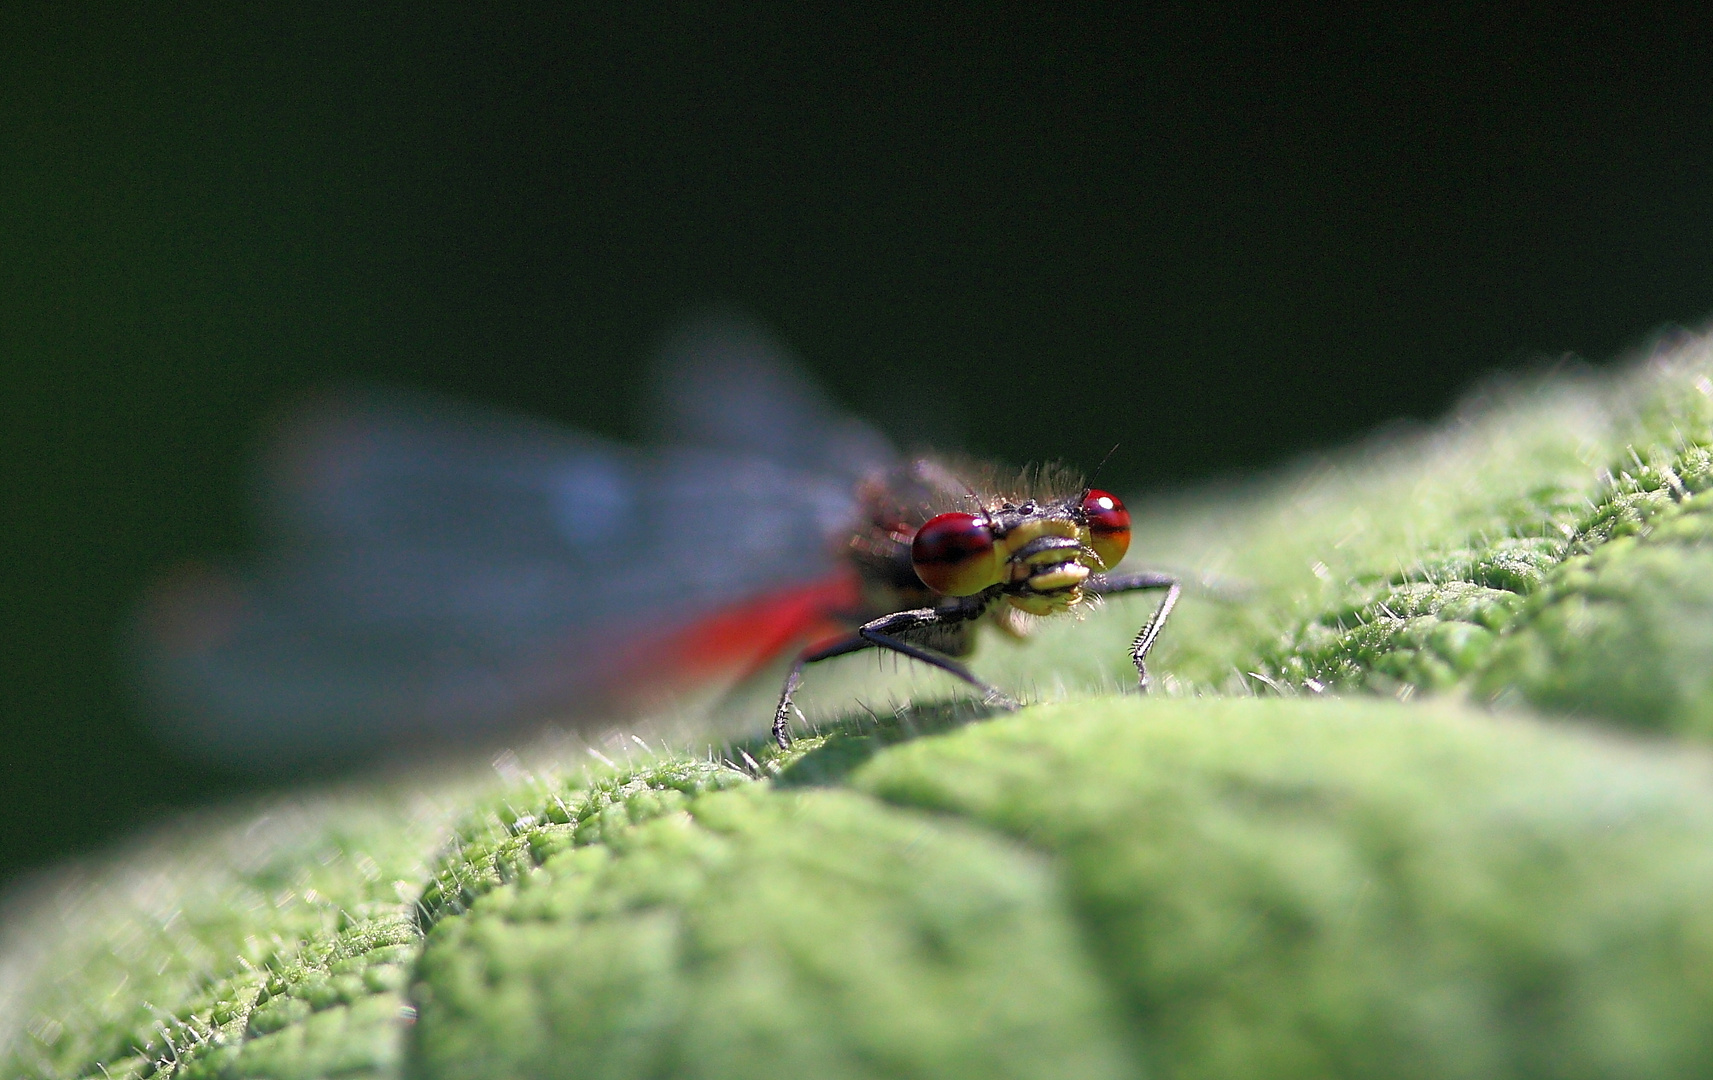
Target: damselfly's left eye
(1108,527)
(954,555)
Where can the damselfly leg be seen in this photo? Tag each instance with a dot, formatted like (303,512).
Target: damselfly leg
(1113,584)
(882,633)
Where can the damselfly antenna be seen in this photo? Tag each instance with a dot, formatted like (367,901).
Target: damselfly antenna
(1088,487)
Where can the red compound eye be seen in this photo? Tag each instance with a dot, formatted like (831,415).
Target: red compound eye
(1108,527)
(954,555)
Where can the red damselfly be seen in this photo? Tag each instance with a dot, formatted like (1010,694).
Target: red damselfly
(434,570)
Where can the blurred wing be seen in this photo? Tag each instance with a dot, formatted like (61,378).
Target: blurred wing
(724,382)
(436,569)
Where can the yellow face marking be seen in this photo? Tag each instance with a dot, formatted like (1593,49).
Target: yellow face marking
(1036,528)
(1062,576)
(1053,576)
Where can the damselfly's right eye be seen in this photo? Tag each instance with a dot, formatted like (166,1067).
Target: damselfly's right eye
(954,555)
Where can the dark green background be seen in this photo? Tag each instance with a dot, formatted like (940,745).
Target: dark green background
(1219,239)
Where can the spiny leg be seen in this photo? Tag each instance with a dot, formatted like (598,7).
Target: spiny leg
(782,715)
(990,695)
(878,634)
(1145,640)
(1122,583)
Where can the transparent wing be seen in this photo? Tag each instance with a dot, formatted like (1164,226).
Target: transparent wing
(435,569)
(724,382)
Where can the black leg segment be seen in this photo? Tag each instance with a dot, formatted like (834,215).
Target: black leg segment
(1111,584)
(879,634)
(782,715)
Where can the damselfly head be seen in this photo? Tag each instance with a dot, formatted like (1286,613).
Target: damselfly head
(1037,552)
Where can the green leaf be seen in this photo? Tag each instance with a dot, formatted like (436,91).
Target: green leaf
(1423,791)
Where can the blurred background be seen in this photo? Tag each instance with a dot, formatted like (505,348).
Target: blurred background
(1217,239)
